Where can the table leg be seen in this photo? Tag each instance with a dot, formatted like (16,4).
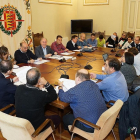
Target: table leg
(60,128)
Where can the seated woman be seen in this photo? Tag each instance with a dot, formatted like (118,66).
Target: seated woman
(4,53)
(101,41)
(127,67)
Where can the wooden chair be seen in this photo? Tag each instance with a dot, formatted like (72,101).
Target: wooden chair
(14,128)
(103,126)
(97,34)
(36,39)
(129,34)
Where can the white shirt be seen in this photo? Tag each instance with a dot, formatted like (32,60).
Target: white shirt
(73,43)
(137,63)
(127,45)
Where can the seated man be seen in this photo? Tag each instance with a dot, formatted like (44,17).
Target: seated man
(122,40)
(92,41)
(57,46)
(7,88)
(112,40)
(82,41)
(136,43)
(136,59)
(43,50)
(113,85)
(128,43)
(71,45)
(101,41)
(30,99)
(24,55)
(85,100)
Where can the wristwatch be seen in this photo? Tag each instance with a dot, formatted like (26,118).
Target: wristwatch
(47,85)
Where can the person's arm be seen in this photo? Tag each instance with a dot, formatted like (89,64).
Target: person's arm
(19,58)
(107,41)
(54,48)
(101,77)
(38,53)
(95,43)
(79,43)
(50,50)
(10,87)
(32,55)
(103,85)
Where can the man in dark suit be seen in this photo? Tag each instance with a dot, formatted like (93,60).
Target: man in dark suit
(30,99)
(71,45)
(24,55)
(43,50)
(136,43)
(7,88)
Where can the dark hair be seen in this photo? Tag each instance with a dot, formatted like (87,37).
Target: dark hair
(5,66)
(59,36)
(114,63)
(83,76)
(73,37)
(3,51)
(32,79)
(129,58)
(130,37)
(101,36)
(92,34)
(133,50)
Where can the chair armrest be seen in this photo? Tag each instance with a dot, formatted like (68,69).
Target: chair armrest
(7,107)
(39,129)
(85,122)
(12,113)
(109,105)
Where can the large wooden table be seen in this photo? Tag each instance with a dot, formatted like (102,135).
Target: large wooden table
(95,60)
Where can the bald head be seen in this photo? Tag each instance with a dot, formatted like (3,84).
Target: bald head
(82,75)
(33,76)
(24,47)
(82,36)
(43,42)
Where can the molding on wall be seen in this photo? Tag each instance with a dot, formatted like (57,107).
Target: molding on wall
(96,3)
(51,2)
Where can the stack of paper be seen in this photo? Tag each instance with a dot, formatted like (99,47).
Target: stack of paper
(67,53)
(21,74)
(37,62)
(59,57)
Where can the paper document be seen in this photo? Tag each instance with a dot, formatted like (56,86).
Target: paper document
(76,50)
(15,66)
(121,42)
(59,57)
(41,62)
(66,53)
(110,45)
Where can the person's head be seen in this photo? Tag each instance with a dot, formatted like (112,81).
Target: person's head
(74,38)
(24,47)
(123,35)
(33,76)
(82,36)
(101,37)
(128,58)
(133,50)
(4,53)
(81,76)
(137,40)
(6,67)
(130,38)
(59,39)
(43,42)
(92,36)
(112,65)
(115,34)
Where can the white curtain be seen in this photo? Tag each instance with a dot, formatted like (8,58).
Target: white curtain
(15,24)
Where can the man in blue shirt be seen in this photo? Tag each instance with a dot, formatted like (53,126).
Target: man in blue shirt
(113,85)
(92,41)
(82,41)
(85,100)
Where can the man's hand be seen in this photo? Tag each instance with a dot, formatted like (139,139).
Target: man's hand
(107,44)
(80,40)
(85,46)
(15,79)
(93,75)
(66,50)
(79,47)
(55,53)
(48,55)
(42,81)
(31,61)
(69,51)
(60,84)
(40,59)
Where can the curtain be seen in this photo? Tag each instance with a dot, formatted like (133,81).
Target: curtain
(15,24)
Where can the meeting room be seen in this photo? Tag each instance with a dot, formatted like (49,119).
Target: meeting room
(69,69)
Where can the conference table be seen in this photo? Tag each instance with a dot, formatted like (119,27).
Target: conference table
(53,69)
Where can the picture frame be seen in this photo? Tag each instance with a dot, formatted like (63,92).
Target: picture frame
(68,2)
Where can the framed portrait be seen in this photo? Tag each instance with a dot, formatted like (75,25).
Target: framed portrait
(96,2)
(67,2)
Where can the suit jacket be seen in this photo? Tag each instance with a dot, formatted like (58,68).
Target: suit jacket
(21,57)
(136,45)
(71,47)
(30,103)
(39,51)
(7,92)
(111,41)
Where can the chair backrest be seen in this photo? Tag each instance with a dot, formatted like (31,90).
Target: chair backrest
(129,34)
(107,121)
(14,128)
(36,39)
(97,34)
